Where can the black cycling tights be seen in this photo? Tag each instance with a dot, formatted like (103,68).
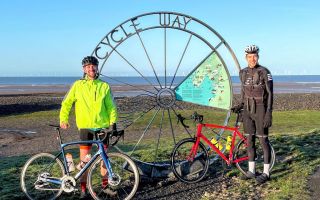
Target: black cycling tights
(264,142)
(253,124)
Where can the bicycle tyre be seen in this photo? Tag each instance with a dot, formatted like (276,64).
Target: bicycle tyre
(189,171)
(38,165)
(128,175)
(241,151)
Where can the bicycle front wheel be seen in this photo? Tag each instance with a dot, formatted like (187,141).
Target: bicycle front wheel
(37,173)
(241,151)
(188,168)
(124,183)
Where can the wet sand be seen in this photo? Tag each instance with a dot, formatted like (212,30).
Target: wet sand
(127,90)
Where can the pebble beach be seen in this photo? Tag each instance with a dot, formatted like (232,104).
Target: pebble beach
(24,103)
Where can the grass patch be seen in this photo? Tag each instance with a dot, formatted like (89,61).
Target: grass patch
(297,158)
(295,136)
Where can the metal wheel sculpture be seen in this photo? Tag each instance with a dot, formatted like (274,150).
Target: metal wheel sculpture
(155,63)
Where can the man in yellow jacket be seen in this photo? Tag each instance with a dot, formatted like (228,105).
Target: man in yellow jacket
(94,107)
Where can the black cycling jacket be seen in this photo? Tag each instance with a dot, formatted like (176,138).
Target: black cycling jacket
(256,87)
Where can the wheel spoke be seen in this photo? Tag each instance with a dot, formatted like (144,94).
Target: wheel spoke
(126,178)
(159,135)
(147,54)
(194,69)
(173,135)
(218,45)
(37,166)
(144,132)
(182,56)
(134,86)
(129,117)
(189,169)
(137,118)
(179,106)
(131,66)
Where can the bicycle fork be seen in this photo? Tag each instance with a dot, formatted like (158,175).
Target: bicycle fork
(113,179)
(194,149)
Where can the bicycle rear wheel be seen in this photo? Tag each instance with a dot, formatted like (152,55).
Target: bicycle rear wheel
(124,184)
(186,169)
(35,173)
(241,151)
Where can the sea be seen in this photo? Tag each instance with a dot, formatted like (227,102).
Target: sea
(282,83)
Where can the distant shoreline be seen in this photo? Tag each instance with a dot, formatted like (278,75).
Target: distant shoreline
(126,90)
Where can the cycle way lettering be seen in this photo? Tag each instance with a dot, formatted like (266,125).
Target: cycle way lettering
(133,26)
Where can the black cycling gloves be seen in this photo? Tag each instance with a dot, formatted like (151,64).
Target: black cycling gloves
(267,122)
(114,127)
(237,108)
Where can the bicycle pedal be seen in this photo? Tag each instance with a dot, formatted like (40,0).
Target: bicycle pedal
(40,185)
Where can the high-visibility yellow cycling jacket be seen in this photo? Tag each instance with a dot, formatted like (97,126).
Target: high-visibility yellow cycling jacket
(94,104)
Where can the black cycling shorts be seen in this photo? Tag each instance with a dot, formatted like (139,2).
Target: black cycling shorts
(86,134)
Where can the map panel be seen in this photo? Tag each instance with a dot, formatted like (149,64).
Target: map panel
(208,85)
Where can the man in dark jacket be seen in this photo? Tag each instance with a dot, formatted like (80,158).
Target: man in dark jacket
(256,102)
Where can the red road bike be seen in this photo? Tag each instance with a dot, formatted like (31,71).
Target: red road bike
(190,158)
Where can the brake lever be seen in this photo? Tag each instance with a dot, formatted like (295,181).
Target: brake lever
(118,136)
(181,119)
(200,118)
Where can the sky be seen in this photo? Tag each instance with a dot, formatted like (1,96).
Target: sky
(50,38)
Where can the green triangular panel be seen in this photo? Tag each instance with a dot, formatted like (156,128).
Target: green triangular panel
(208,85)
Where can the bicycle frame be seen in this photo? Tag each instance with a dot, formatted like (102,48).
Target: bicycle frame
(235,132)
(100,151)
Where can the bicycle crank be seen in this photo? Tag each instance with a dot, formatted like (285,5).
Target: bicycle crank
(68,184)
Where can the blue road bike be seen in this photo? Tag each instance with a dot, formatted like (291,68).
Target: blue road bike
(46,176)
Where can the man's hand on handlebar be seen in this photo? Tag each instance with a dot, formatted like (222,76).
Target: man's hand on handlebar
(237,108)
(114,131)
(114,135)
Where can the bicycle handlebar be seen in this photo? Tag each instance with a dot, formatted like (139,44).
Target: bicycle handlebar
(107,135)
(110,135)
(195,116)
(199,118)
(237,111)
(55,126)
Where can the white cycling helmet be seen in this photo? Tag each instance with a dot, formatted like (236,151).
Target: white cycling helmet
(251,49)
